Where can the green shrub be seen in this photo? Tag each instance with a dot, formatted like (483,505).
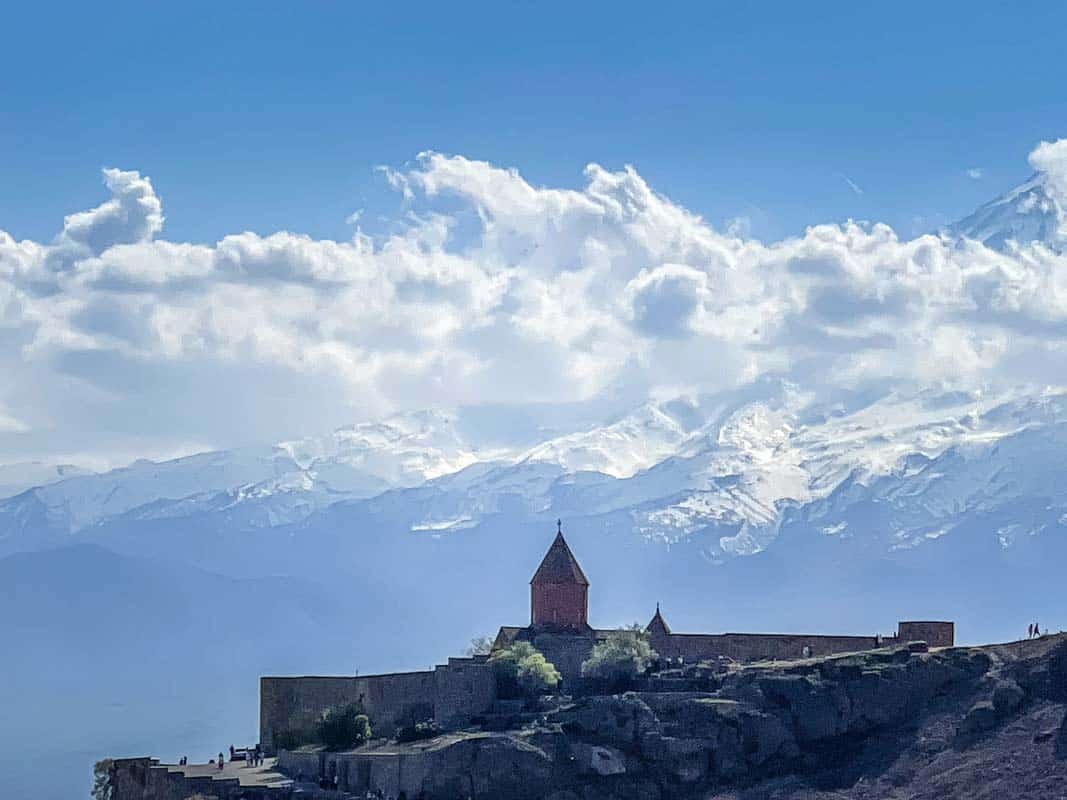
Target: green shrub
(420,730)
(413,713)
(344,727)
(102,788)
(620,658)
(522,669)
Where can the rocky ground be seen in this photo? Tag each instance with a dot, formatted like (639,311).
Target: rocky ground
(961,723)
(1002,736)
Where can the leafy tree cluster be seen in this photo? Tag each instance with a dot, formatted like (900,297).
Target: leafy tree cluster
(621,657)
(522,669)
(344,727)
(102,788)
(426,729)
(480,646)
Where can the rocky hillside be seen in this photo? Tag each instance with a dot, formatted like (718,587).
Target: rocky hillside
(905,723)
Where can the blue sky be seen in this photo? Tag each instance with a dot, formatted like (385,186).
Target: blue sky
(268,116)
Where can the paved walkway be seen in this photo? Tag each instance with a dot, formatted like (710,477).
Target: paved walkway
(263,775)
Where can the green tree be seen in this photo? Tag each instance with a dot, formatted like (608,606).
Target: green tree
(344,727)
(481,646)
(102,788)
(522,668)
(621,657)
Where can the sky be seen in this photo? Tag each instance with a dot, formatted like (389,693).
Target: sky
(243,223)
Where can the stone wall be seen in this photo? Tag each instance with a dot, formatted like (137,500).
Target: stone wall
(748,647)
(450,694)
(297,703)
(462,688)
(745,647)
(935,634)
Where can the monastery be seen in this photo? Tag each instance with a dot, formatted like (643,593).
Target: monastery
(463,688)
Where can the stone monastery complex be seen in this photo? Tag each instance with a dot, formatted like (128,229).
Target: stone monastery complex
(454,693)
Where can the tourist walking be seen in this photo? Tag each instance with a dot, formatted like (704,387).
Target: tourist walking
(1037,631)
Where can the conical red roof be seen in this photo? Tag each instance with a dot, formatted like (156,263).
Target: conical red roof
(658,623)
(559,565)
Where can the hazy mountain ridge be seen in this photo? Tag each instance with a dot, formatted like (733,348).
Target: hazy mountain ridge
(728,483)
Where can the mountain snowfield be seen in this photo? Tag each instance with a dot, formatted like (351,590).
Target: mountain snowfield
(724,472)
(1034,211)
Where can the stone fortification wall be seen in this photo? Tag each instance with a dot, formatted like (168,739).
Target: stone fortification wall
(935,634)
(450,694)
(462,688)
(297,703)
(745,647)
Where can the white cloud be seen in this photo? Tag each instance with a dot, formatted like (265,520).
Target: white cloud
(976,173)
(664,301)
(114,336)
(9,424)
(1050,158)
(133,214)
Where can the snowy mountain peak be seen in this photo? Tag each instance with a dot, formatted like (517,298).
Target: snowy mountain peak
(635,442)
(401,450)
(1034,211)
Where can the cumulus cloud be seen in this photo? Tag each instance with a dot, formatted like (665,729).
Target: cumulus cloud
(664,301)
(558,295)
(133,214)
(1050,159)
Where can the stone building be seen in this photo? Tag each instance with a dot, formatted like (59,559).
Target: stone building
(559,627)
(454,692)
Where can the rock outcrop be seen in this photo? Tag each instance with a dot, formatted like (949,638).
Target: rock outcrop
(904,722)
(862,725)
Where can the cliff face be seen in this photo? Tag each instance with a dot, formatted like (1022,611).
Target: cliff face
(961,723)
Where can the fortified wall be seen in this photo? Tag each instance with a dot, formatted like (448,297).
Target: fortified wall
(747,647)
(449,694)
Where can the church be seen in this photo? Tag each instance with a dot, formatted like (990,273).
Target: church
(559,627)
(464,687)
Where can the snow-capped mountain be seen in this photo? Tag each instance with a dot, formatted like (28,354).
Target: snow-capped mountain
(403,450)
(635,442)
(727,471)
(723,471)
(1032,211)
(292,478)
